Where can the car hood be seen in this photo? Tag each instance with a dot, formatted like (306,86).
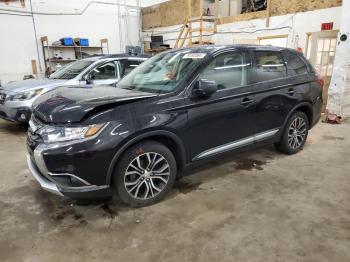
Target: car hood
(72,104)
(26,85)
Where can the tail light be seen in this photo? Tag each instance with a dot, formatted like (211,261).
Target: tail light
(320,81)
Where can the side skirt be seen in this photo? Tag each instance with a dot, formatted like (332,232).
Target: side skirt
(237,144)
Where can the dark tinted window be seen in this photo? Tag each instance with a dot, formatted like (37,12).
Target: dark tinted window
(127,66)
(229,70)
(295,65)
(270,65)
(71,70)
(105,71)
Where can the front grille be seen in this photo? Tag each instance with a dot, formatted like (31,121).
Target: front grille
(2,98)
(3,114)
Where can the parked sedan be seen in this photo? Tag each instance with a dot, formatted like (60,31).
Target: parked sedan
(16,98)
(178,109)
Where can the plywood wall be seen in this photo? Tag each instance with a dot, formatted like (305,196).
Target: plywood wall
(282,7)
(174,12)
(169,13)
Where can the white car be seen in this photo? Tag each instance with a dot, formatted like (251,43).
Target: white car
(16,98)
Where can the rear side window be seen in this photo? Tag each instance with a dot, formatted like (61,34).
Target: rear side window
(295,65)
(270,65)
(128,65)
(229,70)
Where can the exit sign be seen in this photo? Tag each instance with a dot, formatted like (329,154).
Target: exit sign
(327,26)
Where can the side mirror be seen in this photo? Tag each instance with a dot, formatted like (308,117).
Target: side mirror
(205,88)
(88,79)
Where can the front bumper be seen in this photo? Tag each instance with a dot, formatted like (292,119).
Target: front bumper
(44,182)
(64,176)
(52,186)
(16,111)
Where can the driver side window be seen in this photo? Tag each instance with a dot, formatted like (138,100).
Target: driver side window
(229,70)
(105,71)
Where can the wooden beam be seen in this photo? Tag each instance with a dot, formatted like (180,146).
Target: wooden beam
(201,22)
(190,34)
(216,15)
(211,30)
(308,36)
(34,67)
(184,37)
(268,13)
(189,8)
(180,34)
(272,37)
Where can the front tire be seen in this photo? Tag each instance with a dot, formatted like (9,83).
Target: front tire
(294,134)
(144,174)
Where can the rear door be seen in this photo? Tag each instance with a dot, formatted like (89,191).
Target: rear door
(281,80)
(223,121)
(127,65)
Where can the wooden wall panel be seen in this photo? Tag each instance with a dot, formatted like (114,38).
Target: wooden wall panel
(242,17)
(174,12)
(169,13)
(282,7)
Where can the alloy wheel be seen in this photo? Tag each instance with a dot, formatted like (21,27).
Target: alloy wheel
(147,175)
(297,133)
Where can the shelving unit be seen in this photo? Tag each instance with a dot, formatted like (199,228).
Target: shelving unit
(69,53)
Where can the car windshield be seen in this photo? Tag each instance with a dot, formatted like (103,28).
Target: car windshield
(163,72)
(71,70)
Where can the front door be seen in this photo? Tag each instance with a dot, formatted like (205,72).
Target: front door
(322,53)
(222,121)
(105,74)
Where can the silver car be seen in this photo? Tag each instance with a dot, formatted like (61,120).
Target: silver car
(16,98)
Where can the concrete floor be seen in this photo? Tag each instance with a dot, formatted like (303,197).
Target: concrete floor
(255,206)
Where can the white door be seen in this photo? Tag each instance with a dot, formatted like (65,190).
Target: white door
(322,51)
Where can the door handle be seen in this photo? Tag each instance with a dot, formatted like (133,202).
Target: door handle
(290,91)
(246,101)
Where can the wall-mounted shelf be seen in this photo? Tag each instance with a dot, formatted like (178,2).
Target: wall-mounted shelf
(61,60)
(80,47)
(68,54)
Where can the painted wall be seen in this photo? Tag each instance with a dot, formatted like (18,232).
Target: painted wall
(294,25)
(56,19)
(145,3)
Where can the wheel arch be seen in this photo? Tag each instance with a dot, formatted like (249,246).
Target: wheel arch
(167,138)
(305,107)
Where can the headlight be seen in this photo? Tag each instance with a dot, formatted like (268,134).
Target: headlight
(53,134)
(26,95)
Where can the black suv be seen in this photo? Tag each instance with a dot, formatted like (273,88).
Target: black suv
(178,108)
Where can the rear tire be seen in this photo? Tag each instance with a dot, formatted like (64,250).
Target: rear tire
(294,134)
(144,174)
